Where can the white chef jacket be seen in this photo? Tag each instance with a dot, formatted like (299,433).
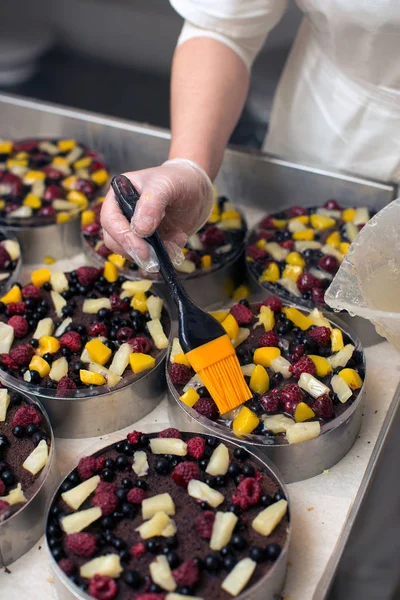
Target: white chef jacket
(338,101)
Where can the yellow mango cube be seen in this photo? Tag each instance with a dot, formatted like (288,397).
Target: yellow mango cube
(59,161)
(49,260)
(259,380)
(90,378)
(230,214)
(63,217)
(14,162)
(82,163)
(245,422)
(48,345)
(6,147)
(306,235)
(262,244)
(266,318)
(40,277)
(344,247)
(181,359)
(141,362)
(279,223)
(241,292)
(100,177)
(66,145)
(2,204)
(87,217)
(348,215)
(190,397)
(231,326)
(271,273)
(13,295)
(77,198)
(32,201)
(322,222)
(31,176)
(333,239)
(69,183)
(352,378)
(117,260)
(139,302)
(40,365)
(220,315)
(322,365)
(297,318)
(336,340)
(295,259)
(110,272)
(206,261)
(305,219)
(264,356)
(213,218)
(98,352)
(292,272)
(303,413)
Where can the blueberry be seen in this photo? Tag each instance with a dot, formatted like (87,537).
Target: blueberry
(67,311)
(144,440)
(119,544)
(38,437)
(66,352)
(220,481)
(58,552)
(110,345)
(210,481)
(121,494)
(171,542)
(103,314)
(238,541)
(203,464)
(2,307)
(128,449)
(31,429)
(54,530)
(125,556)
(240,453)
(234,470)
(53,541)
(74,478)
(249,470)
(126,483)
(127,509)
(173,559)
(107,474)
(117,514)
(203,392)
(133,579)
(212,562)
(257,554)
(66,485)
(8,478)
(272,551)
(162,466)
(19,431)
(47,286)
(109,464)
(279,496)
(35,377)
(245,302)
(154,588)
(211,441)
(121,462)
(120,446)
(266,500)
(152,546)
(229,562)
(204,505)
(184,590)
(142,484)
(235,509)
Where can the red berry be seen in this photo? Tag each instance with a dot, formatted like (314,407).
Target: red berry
(274,303)
(52,192)
(67,565)
(184,472)
(146,596)
(118,304)
(52,173)
(211,237)
(5,258)
(92,228)
(187,574)
(332,205)
(138,550)
(81,544)
(87,467)
(196,447)
(256,253)
(136,496)
(97,329)
(242,314)
(124,334)
(104,486)
(16,308)
(247,493)
(97,165)
(85,186)
(22,355)
(103,251)
(31,292)
(47,211)
(25,415)
(297,211)
(207,408)
(297,352)
(8,362)
(179,374)
(87,275)
(321,334)
(20,326)
(14,183)
(102,587)
(25,146)
(267,223)
(170,432)
(107,501)
(304,365)
(291,395)
(265,235)
(271,402)
(323,407)
(141,344)
(2,488)
(288,245)
(134,437)
(318,296)
(328,263)
(269,338)
(307,282)
(71,340)
(65,387)
(3,506)
(194,257)
(10,207)
(204,524)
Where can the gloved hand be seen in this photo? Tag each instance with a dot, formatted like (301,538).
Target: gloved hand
(176,198)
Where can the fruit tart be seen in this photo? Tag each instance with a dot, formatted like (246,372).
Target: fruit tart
(296,253)
(303,370)
(166,516)
(10,259)
(80,333)
(45,181)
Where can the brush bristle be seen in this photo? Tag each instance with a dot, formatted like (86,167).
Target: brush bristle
(226,384)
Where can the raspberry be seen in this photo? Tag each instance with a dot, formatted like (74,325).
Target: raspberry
(291,395)
(87,275)
(247,493)
(2,488)
(207,408)
(134,437)
(328,263)
(124,334)
(149,597)
(52,173)
(106,501)
(136,496)
(31,292)
(22,355)
(100,463)
(85,186)
(212,237)
(81,544)
(87,467)
(274,303)
(5,258)
(307,282)
(196,447)
(20,326)
(16,308)
(321,334)
(67,565)
(256,253)
(102,587)
(323,407)
(288,245)
(138,550)
(71,340)
(98,329)
(304,365)
(297,211)
(25,415)
(104,486)
(170,432)
(92,228)
(11,206)
(332,205)
(187,574)
(3,506)
(65,387)
(118,304)
(194,257)
(318,296)
(25,146)
(15,184)
(269,338)
(267,223)
(265,235)
(242,314)
(141,344)
(204,524)
(271,402)
(52,192)
(184,472)
(103,251)
(297,352)
(8,362)
(179,374)
(47,211)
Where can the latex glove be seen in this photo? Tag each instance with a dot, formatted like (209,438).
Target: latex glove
(176,198)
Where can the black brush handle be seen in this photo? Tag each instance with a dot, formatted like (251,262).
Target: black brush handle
(196,327)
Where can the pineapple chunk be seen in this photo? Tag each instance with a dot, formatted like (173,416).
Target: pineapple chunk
(281,365)
(59,369)
(194,382)
(194,242)
(168,446)
(276,251)
(157,333)
(239,577)
(161,575)
(154,306)
(312,386)
(302,245)
(156,504)
(351,231)
(201,491)
(242,336)
(277,423)
(186,266)
(219,461)
(135,287)
(76,522)
(266,318)
(92,306)
(176,349)
(336,340)
(4,403)
(121,359)
(318,319)
(361,216)
(37,458)
(341,358)
(247,370)
(45,327)
(112,378)
(61,328)
(6,338)
(174,596)
(58,301)
(289,285)
(222,530)
(154,527)
(259,380)
(15,496)
(108,565)
(140,464)
(59,282)
(78,494)
(331,251)
(269,518)
(12,248)
(341,389)
(170,529)
(302,432)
